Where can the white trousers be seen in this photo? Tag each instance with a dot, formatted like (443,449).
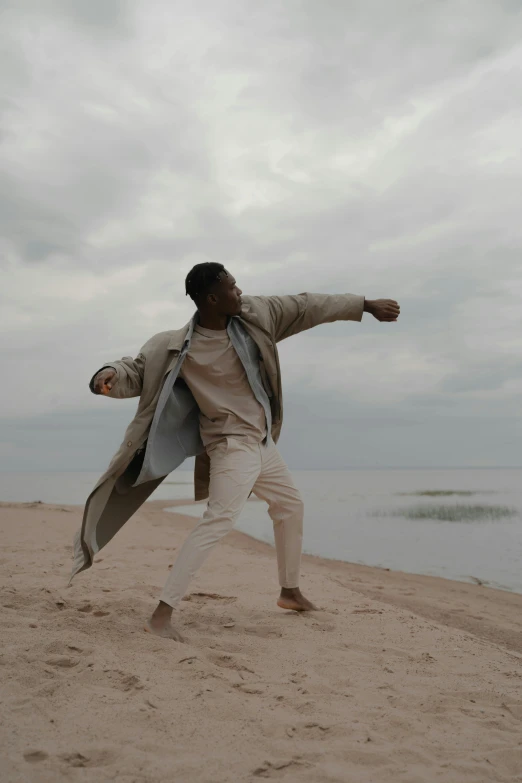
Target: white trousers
(236,468)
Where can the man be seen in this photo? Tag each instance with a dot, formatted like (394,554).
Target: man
(213,390)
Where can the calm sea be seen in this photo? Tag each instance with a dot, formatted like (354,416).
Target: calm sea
(458,524)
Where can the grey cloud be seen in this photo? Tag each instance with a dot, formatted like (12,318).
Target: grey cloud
(98,148)
(104,15)
(359,147)
(350,65)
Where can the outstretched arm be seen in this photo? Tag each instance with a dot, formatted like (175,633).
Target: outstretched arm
(289,315)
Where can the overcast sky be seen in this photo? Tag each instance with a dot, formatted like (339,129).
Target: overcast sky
(359,146)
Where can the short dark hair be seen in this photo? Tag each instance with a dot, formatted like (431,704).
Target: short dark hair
(201,278)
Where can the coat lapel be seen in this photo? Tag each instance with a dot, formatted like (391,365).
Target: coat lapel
(177,342)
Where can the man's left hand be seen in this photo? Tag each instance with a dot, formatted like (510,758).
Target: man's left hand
(382,309)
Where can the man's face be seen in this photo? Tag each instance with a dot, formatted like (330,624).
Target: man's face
(226,296)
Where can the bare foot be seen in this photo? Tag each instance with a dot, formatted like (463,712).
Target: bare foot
(292,598)
(160,625)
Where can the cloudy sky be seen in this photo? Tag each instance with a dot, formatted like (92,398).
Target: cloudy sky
(360,146)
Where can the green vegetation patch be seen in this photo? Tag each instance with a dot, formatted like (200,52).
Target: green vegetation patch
(455,513)
(435,493)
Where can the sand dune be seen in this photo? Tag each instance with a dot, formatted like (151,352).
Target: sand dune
(399,678)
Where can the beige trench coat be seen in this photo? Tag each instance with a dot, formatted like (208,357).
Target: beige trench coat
(268,320)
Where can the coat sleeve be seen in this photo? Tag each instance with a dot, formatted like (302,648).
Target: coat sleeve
(289,315)
(130,376)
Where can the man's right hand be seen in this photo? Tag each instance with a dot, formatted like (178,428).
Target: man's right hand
(105,380)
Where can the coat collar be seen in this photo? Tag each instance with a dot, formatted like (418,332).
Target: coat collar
(183,335)
(249,314)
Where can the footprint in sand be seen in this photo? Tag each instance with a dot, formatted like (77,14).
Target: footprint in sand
(60,649)
(367,611)
(244,688)
(88,608)
(225,661)
(121,681)
(310,731)
(324,626)
(76,649)
(227,645)
(203,597)
(232,626)
(91,758)
(264,631)
(279,769)
(298,676)
(33,756)
(62,661)
(303,707)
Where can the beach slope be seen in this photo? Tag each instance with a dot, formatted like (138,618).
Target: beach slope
(400,678)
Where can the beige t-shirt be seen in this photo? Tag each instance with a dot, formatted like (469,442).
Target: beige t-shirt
(216,377)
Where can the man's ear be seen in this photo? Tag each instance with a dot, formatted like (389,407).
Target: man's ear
(212,299)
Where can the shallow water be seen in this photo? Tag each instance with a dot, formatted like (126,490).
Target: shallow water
(470,529)
(459,524)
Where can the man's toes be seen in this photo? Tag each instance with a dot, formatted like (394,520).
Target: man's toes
(291,604)
(296,605)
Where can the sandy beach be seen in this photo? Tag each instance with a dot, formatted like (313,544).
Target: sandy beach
(398,678)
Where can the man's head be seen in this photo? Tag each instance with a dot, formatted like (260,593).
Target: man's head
(213,289)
